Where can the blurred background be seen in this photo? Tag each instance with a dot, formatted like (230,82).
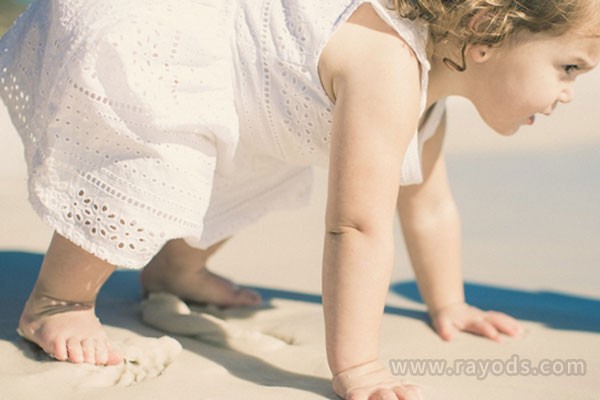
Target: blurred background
(9,9)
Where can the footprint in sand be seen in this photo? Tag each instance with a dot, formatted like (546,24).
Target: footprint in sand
(169,313)
(144,358)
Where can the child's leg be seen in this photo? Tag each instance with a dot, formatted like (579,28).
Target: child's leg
(59,315)
(181,270)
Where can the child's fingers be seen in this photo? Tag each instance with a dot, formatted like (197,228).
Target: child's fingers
(372,381)
(400,392)
(504,323)
(483,328)
(445,328)
(358,394)
(384,394)
(408,392)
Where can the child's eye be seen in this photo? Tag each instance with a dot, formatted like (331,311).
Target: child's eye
(571,68)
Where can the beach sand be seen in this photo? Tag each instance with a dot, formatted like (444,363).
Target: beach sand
(531,223)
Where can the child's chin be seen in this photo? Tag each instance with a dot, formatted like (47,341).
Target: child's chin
(505,130)
(510,132)
(501,127)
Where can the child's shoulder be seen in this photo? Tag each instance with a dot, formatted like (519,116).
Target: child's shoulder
(363,46)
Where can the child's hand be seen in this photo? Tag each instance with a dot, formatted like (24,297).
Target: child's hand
(463,317)
(372,381)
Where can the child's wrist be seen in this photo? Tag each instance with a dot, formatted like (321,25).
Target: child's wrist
(435,310)
(345,380)
(345,370)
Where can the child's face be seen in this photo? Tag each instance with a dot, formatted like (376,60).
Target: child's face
(517,81)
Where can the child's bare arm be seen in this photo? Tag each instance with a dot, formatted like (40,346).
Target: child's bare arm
(376,86)
(431,226)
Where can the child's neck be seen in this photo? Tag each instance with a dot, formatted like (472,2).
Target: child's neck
(444,82)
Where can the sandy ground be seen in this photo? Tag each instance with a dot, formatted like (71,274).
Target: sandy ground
(531,223)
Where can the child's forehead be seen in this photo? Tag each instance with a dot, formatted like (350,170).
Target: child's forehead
(570,47)
(589,45)
(576,49)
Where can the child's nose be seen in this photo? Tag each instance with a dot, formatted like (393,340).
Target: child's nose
(567,95)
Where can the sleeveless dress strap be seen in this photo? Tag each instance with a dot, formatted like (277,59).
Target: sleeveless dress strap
(415,34)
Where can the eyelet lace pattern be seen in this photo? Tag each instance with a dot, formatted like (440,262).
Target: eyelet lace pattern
(148,120)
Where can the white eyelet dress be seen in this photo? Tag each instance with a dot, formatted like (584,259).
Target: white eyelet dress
(148,120)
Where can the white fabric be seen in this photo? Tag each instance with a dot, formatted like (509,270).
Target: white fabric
(147,120)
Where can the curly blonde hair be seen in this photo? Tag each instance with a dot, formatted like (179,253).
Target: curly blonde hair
(492,22)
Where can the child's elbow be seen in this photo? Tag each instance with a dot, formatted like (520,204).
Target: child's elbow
(344,229)
(365,225)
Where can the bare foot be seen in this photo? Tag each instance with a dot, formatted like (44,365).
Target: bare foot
(181,270)
(67,331)
(59,315)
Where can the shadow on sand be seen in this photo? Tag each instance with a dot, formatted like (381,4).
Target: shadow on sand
(553,309)
(118,304)
(121,295)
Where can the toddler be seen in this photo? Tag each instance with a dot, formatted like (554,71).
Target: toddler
(155,129)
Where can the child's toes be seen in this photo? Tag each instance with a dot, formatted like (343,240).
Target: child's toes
(58,349)
(101,352)
(75,350)
(114,357)
(89,350)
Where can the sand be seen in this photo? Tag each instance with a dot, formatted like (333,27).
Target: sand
(531,223)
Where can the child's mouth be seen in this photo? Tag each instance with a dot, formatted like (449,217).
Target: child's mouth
(531,120)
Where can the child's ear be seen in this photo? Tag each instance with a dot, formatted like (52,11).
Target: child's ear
(480,53)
